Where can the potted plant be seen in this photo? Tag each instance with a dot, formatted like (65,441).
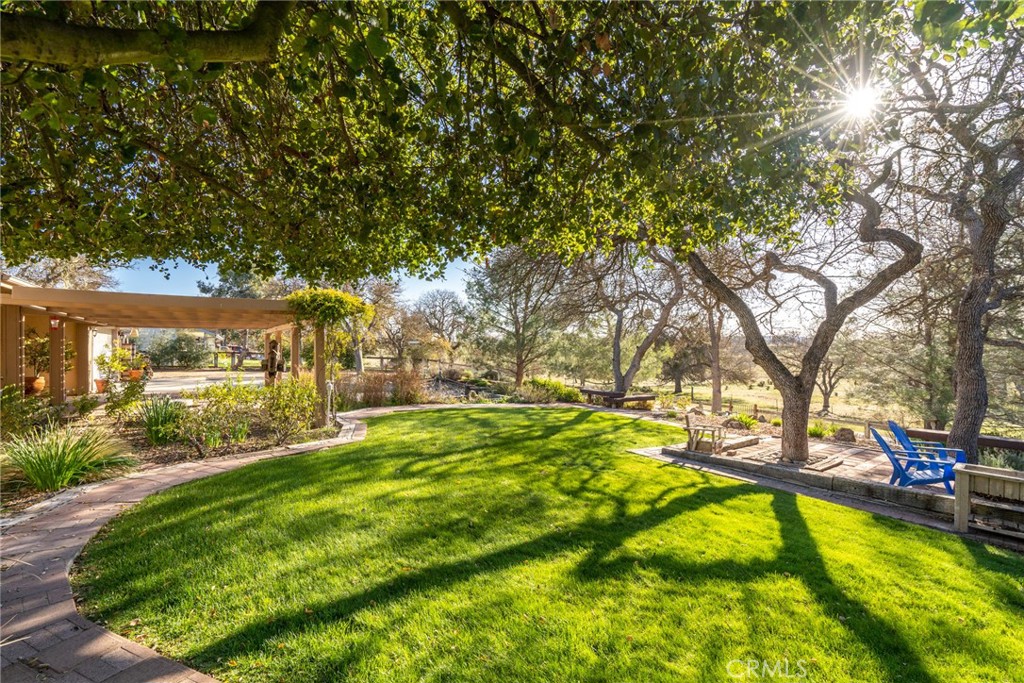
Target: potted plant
(111,366)
(37,357)
(135,364)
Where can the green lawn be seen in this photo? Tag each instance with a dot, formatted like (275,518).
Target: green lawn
(527,545)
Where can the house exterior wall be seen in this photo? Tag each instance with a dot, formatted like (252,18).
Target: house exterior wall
(102,343)
(12,359)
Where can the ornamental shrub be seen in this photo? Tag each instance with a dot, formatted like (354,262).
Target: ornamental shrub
(538,390)
(748,421)
(20,414)
(160,418)
(288,408)
(221,413)
(373,389)
(820,430)
(52,458)
(124,396)
(407,388)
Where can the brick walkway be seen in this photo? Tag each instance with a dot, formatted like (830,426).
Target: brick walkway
(43,636)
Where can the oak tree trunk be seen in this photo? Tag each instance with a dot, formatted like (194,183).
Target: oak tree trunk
(620,380)
(357,358)
(826,401)
(715,351)
(796,407)
(970,383)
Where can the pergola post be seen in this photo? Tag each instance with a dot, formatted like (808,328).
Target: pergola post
(83,359)
(266,358)
(58,390)
(296,348)
(280,355)
(12,363)
(320,373)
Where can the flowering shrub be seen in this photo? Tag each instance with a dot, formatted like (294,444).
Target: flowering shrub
(221,413)
(288,407)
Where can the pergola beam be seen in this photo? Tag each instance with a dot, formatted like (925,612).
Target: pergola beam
(121,309)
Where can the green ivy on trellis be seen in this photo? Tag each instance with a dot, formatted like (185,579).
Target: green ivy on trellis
(327,306)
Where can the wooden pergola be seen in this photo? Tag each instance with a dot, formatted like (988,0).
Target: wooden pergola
(86,310)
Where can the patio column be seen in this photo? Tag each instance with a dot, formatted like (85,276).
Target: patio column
(83,358)
(12,330)
(296,350)
(58,391)
(320,373)
(280,355)
(266,358)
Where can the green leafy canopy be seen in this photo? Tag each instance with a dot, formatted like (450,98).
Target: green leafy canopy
(328,306)
(385,135)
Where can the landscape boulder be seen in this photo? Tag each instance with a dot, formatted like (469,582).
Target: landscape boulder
(845,435)
(734,424)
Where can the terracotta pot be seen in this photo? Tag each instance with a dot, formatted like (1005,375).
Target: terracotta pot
(135,375)
(101,385)
(34,385)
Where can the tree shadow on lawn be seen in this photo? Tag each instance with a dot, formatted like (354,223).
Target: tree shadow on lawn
(799,556)
(395,459)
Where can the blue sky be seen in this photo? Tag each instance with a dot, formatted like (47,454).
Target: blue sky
(183,277)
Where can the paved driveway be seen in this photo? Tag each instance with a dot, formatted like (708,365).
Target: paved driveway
(176,381)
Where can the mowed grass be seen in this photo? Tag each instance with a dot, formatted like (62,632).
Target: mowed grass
(528,545)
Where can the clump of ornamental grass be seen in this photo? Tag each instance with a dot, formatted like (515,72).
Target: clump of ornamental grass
(53,458)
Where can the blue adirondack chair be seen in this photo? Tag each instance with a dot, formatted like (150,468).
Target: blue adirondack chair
(934,451)
(909,469)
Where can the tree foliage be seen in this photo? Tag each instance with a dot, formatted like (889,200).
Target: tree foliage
(181,349)
(327,306)
(518,304)
(378,135)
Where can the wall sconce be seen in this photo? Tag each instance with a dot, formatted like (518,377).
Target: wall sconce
(54,323)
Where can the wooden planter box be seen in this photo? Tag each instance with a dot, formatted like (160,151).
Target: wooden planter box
(989,498)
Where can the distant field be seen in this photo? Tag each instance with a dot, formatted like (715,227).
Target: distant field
(847,408)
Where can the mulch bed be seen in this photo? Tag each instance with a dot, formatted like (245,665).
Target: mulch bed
(149,456)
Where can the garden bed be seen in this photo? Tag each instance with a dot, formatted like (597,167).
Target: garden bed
(148,456)
(45,451)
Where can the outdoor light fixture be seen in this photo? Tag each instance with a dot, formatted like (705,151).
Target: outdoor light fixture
(54,323)
(862,102)
(134,334)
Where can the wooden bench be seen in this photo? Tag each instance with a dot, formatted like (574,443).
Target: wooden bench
(600,395)
(991,498)
(619,401)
